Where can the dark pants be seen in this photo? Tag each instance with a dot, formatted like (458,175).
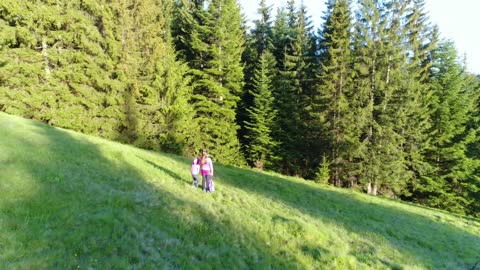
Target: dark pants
(206,180)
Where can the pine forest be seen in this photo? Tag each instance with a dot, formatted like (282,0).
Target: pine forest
(372,100)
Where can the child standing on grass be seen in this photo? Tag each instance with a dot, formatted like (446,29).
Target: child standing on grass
(195,171)
(207,172)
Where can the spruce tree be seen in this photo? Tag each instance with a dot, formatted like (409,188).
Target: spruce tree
(450,184)
(366,49)
(309,145)
(292,43)
(211,41)
(287,98)
(257,41)
(129,65)
(421,41)
(261,115)
(379,82)
(396,112)
(473,149)
(163,91)
(335,88)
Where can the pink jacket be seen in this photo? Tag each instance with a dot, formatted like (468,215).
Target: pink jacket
(207,168)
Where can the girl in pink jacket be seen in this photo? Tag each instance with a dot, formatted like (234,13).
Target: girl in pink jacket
(206,166)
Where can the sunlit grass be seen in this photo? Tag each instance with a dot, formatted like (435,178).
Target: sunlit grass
(74,201)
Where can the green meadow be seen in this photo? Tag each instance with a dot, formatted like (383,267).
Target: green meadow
(71,201)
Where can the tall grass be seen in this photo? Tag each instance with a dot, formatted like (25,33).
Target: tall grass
(71,201)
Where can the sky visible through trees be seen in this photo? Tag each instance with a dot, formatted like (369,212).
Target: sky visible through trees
(455,19)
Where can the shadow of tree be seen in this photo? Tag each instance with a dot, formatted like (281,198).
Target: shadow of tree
(167,171)
(84,204)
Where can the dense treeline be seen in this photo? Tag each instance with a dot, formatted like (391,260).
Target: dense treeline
(100,67)
(373,100)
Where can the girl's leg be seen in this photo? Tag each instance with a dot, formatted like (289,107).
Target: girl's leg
(195,181)
(204,182)
(210,183)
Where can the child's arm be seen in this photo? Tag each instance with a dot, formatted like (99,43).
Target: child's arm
(211,164)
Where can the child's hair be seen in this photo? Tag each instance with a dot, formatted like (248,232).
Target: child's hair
(203,160)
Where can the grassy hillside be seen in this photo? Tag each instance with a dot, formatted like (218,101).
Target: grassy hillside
(73,201)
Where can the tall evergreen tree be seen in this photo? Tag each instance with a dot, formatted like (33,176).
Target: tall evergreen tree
(453,106)
(368,28)
(398,82)
(421,41)
(309,147)
(292,41)
(257,42)
(473,149)
(212,41)
(379,82)
(287,99)
(335,87)
(261,115)
(161,83)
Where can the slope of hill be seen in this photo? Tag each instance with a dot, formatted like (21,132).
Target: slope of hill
(74,201)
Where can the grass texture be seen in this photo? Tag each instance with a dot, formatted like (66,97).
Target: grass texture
(71,201)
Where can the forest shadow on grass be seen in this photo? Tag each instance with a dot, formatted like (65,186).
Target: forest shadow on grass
(433,244)
(88,208)
(157,166)
(91,209)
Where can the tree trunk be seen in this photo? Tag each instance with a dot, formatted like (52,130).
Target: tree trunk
(45,55)
(374,190)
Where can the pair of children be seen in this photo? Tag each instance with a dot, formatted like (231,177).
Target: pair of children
(204,165)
